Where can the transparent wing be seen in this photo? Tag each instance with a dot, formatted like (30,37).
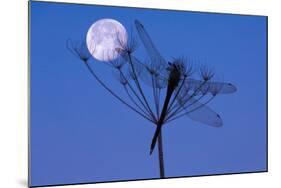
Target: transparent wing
(198,111)
(145,73)
(153,79)
(158,63)
(210,87)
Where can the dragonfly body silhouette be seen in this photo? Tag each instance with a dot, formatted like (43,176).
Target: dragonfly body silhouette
(174,76)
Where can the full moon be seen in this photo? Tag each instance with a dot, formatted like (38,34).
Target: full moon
(104,37)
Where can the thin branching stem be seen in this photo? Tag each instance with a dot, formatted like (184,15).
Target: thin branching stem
(186,113)
(136,104)
(191,96)
(158,99)
(196,100)
(114,94)
(155,96)
(135,94)
(139,87)
(175,97)
(183,107)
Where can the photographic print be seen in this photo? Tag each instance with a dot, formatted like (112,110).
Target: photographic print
(120,94)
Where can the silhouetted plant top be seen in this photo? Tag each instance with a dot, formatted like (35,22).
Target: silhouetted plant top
(178,88)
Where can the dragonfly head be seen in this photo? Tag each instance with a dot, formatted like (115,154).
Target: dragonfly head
(175,74)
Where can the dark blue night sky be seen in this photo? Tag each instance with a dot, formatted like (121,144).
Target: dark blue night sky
(80,133)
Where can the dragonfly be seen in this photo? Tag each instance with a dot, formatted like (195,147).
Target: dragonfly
(183,93)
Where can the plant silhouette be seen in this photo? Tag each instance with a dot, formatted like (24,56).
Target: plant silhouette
(174,91)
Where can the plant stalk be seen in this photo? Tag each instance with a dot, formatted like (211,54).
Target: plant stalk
(162,118)
(161,155)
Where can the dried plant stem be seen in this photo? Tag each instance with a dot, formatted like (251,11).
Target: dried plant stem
(179,108)
(112,93)
(161,156)
(187,112)
(160,122)
(139,86)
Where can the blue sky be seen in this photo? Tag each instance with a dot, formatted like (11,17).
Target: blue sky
(80,133)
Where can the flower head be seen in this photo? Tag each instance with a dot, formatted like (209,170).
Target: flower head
(79,49)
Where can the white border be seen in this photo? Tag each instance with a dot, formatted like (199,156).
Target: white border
(13,99)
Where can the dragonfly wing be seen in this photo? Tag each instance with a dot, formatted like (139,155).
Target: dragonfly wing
(153,80)
(211,87)
(155,57)
(143,72)
(199,112)
(149,78)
